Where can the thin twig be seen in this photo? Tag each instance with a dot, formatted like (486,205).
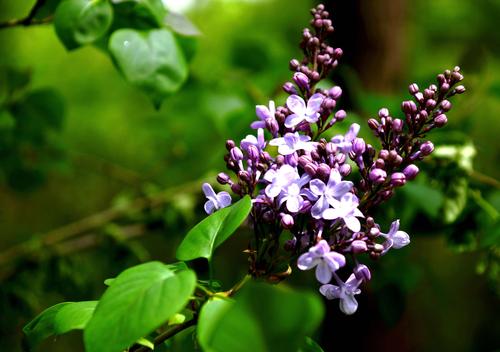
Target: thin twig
(29,19)
(165,335)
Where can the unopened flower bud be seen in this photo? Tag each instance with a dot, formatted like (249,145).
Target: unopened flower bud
(294,64)
(323,171)
(345,170)
(289,88)
(411,171)
(374,232)
(444,87)
(430,104)
(446,105)
(358,246)
(236,154)
(301,80)
(377,175)
(230,144)
(373,124)
(428,93)
(236,188)
(440,120)
(427,148)
(340,115)
(419,96)
(384,112)
(253,152)
(383,154)
(409,107)
(292,159)
(358,146)
(377,247)
(398,179)
(335,92)
(361,272)
(244,176)
(330,148)
(459,89)
(311,169)
(397,125)
(287,221)
(413,88)
(272,126)
(329,103)
(223,178)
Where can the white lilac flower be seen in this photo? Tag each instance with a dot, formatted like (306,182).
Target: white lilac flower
(347,210)
(325,261)
(326,195)
(344,143)
(292,142)
(291,194)
(395,238)
(259,141)
(263,113)
(215,201)
(279,179)
(345,293)
(301,111)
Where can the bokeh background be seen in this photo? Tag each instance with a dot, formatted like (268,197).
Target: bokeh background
(106,181)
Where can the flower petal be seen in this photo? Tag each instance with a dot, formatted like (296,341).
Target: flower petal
(400,239)
(209,191)
(340,189)
(224,199)
(307,261)
(323,273)
(293,120)
(262,112)
(352,223)
(277,141)
(314,103)
(209,207)
(331,214)
(348,304)
(330,291)
(317,187)
(319,207)
(296,104)
(293,203)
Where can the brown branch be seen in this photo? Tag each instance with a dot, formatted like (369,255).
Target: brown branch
(29,19)
(165,336)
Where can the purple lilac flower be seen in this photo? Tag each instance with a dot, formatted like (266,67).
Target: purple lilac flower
(293,142)
(347,210)
(344,143)
(259,141)
(215,201)
(325,261)
(279,179)
(326,195)
(345,292)
(301,112)
(264,113)
(291,194)
(395,238)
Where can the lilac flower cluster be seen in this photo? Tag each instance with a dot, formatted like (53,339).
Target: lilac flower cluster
(302,184)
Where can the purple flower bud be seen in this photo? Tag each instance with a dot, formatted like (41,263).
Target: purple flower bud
(440,120)
(397,125)
(345,170)
(423,115)
(377,176)
(335,92)
(358,246)
(236,188)
(311,169)
(323,171)
(301,80)
(419,96)
(272,126)
(444,87)
(340,158)
(413,89)
(230,144)
(294,64)
(384,112)
(253,152)
(362,272)
(430,104)
(329,103)
(358,146)
(446,105)
(411,171)
(428,93)
(380,163)
(373,124)
(383,154)
(340,115)
(223,178)
(427,148)
(398,179)
(289,88)
(292,159)
(338,53)
(236,154)
(280,160)
(374,232)
(244,176)
(330,148)
(409,107)
(287,221)
(459,89)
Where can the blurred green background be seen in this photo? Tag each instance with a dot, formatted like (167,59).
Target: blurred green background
(127,177)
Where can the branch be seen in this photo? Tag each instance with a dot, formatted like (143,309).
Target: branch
(29,19)
(165,335)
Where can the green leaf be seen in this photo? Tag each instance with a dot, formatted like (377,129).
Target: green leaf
(138,14)
(262,318)
(73,316)
(80,22)
(310,345)
(211,232)
(139,301)
(150,60)
(181,24)
(146,343)
(42,326)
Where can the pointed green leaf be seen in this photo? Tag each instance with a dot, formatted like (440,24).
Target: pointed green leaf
(310,345)
(150,60)
(211,232)
(262,318)
(74,316)
(139,301)
(80,22)
(42,326)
